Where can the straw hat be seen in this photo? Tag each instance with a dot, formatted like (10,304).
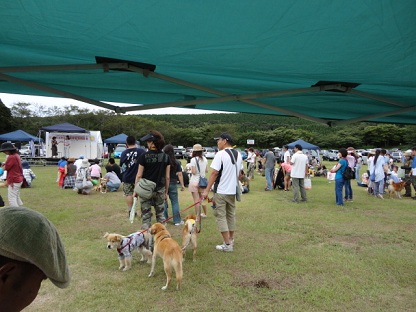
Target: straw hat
(372,151)
(197,148)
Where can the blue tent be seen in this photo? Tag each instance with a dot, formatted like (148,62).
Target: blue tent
(117,139)
(64,127)
(19,135)
(304,144)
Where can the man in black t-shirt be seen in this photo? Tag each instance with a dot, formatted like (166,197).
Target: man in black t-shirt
(129,161)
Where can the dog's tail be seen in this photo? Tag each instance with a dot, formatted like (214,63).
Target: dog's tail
(177,265)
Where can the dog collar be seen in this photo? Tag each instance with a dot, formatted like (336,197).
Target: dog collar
(166,236)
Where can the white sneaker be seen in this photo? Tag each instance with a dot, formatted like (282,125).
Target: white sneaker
(224,247)
(231,243)
(203,215)
(180,223)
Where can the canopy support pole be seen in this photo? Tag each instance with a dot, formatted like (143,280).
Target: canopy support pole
(247,98)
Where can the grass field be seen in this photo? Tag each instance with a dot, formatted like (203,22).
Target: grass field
(312,256)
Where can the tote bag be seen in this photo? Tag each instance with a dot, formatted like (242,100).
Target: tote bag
(307,183)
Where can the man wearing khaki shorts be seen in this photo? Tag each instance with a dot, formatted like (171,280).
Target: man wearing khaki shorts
(224,178)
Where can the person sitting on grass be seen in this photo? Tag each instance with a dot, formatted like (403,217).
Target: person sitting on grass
(83,182)
(112,180)
(244,182)
(70,172)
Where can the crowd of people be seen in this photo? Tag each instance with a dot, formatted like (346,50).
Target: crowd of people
(153,176)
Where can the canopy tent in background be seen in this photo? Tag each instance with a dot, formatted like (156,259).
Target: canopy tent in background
(117,139)
(64,127)
(19,135)
(304,144)
(23,136)
(306,147)
(332,62)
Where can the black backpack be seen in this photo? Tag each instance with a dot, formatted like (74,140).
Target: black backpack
(348,173)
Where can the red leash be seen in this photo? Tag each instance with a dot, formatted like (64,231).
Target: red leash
(166,220)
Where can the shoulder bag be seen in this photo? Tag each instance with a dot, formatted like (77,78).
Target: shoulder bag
(348,173)
(203,181)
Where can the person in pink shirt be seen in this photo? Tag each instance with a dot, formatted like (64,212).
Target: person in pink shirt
(95,171)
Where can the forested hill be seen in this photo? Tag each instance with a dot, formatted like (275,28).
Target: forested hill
(259,122)
(186,130)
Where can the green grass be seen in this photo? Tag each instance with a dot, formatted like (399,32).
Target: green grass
(312,256)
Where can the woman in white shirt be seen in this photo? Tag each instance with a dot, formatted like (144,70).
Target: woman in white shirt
(251,162)
(198,160)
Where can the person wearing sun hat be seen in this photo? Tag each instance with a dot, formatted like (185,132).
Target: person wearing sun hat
(199,168)
(14,179)
(31,251)
(83,182)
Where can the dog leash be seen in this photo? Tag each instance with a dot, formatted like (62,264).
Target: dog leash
(166,220)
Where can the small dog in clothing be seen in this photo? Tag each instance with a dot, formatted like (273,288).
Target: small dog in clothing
(189,235)
(168,249)
(126,244)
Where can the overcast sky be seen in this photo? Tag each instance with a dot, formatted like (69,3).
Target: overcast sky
(10,99)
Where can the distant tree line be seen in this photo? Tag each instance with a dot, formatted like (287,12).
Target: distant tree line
(186,130)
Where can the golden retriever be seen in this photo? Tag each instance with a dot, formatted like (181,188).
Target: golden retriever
(396,188)
(189,235)
(168,249)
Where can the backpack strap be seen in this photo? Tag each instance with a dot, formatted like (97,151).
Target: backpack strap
(233,160)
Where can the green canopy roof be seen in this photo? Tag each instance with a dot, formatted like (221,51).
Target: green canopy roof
(328,61)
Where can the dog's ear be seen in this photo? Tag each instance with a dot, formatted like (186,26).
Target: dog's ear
(106,235)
